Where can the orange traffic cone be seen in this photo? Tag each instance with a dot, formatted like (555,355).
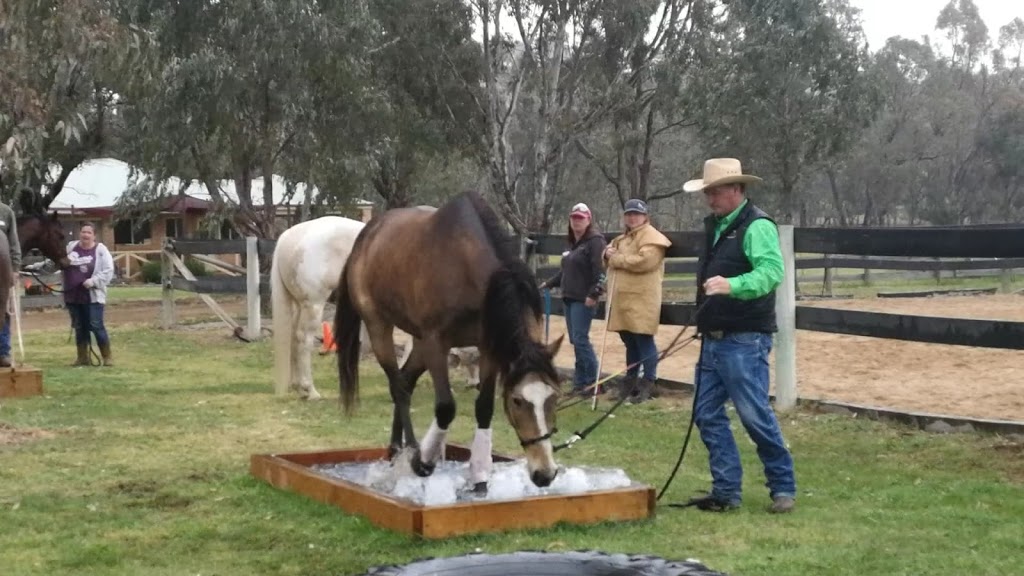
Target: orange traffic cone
(329,344)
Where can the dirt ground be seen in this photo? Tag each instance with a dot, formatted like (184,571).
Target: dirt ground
(933,378)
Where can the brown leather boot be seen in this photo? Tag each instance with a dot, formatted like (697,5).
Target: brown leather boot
(624,388)
(83,355)
(105,352)
(644,387)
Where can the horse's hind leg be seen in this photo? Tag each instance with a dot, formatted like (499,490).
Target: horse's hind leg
(382,340)
(310,318)
(411,370)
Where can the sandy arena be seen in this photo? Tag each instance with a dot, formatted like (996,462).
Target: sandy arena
(933,378)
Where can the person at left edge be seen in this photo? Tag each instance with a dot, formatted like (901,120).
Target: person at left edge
(9,223)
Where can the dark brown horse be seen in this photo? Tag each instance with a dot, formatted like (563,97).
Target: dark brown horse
(450,277)
(44,233)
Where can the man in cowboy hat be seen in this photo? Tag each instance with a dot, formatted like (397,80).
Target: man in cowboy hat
(738,272)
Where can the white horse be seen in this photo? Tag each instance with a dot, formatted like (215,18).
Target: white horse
(307,263)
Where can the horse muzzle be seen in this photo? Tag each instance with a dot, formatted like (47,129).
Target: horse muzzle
(543,478)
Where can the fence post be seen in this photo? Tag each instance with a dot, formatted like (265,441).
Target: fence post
(785,311)
(827,280)
(1006,280)
(167,319)
(252,287)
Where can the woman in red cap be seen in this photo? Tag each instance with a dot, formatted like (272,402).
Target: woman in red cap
(582,281)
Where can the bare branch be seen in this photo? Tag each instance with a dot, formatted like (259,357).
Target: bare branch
(590,156)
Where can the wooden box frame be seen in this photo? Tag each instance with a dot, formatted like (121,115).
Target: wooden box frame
(21,382)
(292,472)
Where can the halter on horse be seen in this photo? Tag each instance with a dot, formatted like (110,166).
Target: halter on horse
(450,277)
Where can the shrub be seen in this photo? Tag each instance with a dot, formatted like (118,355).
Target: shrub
(151,270)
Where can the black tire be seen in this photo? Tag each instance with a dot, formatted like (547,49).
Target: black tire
(530,563)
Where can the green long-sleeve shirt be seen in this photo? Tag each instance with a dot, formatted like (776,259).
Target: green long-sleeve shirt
(761,246)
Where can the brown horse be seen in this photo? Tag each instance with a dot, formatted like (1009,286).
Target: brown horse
(450,277)
(44,233)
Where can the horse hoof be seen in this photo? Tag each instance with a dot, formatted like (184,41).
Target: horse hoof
(480,488)
(421,468)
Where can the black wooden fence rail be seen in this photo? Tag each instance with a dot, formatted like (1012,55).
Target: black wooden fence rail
(995,247)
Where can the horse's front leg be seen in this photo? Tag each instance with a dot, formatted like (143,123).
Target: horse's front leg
(480,456)
(435,356)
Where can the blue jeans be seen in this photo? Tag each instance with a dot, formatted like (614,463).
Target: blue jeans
(578,318)
(735,368)
(88,318)
(640,347)
(5,336)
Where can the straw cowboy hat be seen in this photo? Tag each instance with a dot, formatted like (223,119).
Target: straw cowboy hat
(719,171)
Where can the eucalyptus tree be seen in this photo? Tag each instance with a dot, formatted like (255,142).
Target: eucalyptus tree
(62,66)
(786,91)
(241,86)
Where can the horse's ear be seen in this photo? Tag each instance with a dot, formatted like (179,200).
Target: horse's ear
(555,345)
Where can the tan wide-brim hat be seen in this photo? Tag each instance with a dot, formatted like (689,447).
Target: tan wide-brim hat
(718,171)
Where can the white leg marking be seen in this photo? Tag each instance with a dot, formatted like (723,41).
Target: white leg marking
(433,443)
(480,456)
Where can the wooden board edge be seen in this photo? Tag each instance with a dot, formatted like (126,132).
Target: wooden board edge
(539,512)
(393,514)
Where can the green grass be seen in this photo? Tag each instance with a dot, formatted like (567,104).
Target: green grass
(146,473)
(148,293)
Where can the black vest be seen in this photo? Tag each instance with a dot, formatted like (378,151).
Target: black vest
(726,259)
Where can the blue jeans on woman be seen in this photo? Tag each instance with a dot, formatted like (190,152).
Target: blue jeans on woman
(735,367)
(578,318)
(640,348)
(88,318)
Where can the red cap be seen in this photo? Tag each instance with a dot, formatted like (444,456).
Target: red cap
(580,210)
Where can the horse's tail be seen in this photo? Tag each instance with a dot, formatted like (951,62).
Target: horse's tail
(283,312)
(346,337)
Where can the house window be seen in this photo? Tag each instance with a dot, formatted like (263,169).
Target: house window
(131,231)
(227,231)
(175,228)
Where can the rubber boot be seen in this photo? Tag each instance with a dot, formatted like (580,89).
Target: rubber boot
(83,355)
(623,388)
(105,352)
(643,394)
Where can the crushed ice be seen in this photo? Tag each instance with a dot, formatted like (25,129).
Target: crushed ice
(450,481)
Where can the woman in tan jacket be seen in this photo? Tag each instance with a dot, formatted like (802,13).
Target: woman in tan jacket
(636,266)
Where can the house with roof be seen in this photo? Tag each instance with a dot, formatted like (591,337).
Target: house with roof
(92,193)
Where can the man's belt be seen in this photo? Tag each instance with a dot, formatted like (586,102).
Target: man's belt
(715,334)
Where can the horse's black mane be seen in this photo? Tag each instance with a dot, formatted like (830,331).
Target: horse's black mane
(512,289)
(504,244)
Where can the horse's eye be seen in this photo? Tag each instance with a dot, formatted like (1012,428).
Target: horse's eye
(518,402)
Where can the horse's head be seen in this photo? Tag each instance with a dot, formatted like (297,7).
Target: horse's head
(530,398)
(45,233)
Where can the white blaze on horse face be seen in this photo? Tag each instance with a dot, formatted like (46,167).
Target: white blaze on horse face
(540,458)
